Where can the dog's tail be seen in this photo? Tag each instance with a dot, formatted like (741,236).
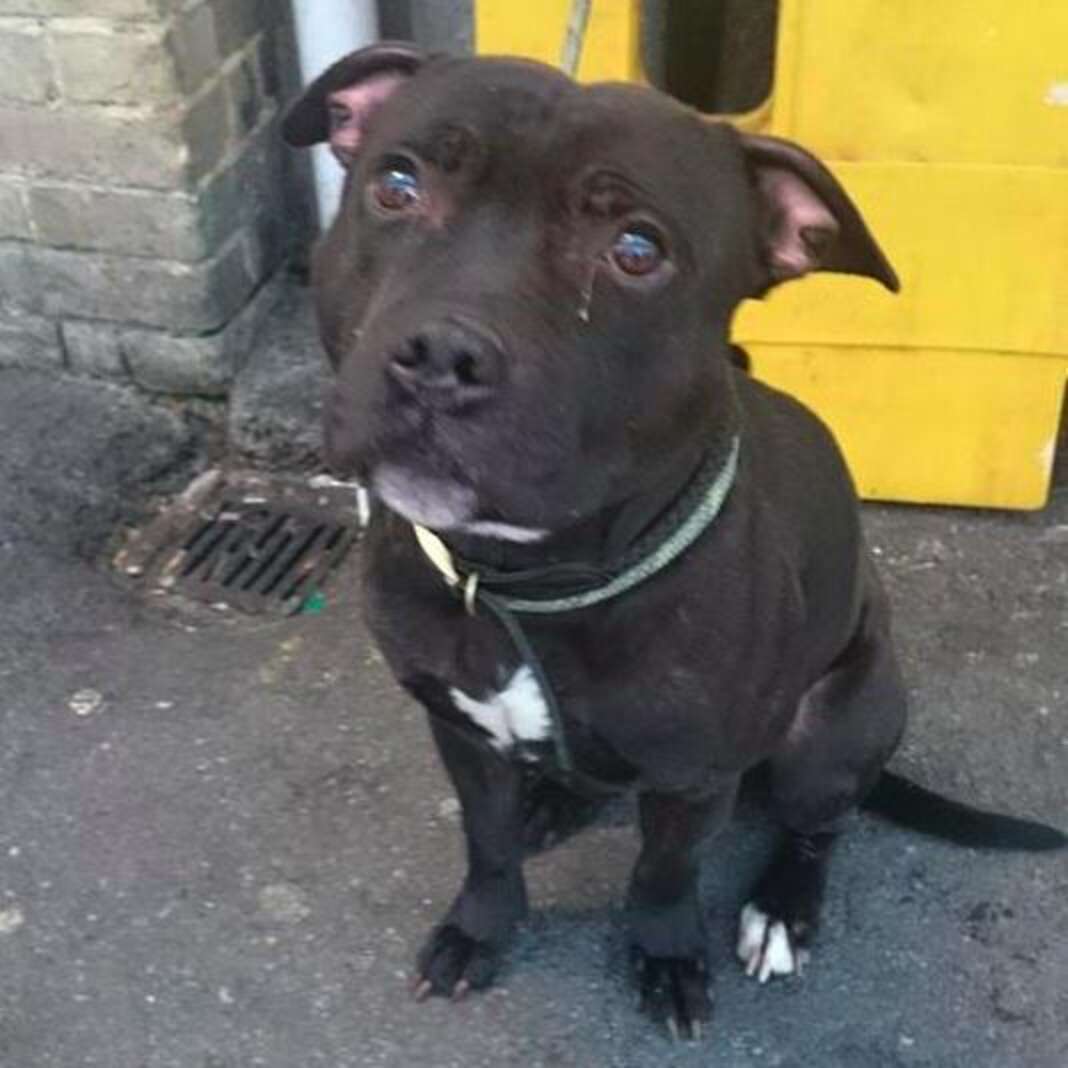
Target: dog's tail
(908,805)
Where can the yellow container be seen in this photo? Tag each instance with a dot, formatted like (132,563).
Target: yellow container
(948,124)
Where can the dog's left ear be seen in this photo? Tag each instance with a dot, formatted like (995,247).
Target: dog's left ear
(808,223)
(337,105)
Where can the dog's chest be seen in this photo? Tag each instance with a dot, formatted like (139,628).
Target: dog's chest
(516,721)
(512,718)
(502,700)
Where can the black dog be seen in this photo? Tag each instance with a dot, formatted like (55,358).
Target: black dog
(647,568)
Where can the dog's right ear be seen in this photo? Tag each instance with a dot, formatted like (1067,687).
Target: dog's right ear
(808,223)
(337,105)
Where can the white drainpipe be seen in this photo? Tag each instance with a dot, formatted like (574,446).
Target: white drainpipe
(326,31)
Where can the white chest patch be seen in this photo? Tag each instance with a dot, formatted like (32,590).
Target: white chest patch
(517,714)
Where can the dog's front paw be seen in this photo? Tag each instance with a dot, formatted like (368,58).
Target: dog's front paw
(452,963)
(674,992)
(769,946)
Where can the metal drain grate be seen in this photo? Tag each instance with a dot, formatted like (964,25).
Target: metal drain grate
(247,553)
(246,541)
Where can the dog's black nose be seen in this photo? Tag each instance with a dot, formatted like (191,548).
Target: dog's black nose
(448,364)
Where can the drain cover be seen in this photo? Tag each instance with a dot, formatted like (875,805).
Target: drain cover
(247,541)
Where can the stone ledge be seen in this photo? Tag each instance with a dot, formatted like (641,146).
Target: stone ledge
(92,349)
(156,293)
(29,341)
(167,363)
(275,416)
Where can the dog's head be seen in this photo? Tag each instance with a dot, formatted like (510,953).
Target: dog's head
(527,291)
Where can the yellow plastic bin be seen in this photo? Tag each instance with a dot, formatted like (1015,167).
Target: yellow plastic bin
(948,124)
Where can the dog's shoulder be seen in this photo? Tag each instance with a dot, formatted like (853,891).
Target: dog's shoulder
(792,459)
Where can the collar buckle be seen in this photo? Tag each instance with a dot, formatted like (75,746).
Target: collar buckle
(437,552)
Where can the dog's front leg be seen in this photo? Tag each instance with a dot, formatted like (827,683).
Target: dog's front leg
(463,951)
(667,926)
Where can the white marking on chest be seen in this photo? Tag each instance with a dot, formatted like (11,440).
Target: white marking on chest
(517,714)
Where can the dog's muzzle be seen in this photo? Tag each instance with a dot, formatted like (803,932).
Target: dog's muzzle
(447,366)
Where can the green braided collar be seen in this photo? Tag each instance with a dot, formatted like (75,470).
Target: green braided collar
(683,536)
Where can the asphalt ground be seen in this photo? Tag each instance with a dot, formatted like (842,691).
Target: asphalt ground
(222,838)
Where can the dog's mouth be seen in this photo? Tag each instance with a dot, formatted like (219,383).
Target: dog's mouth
(466,476)
(430,475)
(442,503)
(435,501)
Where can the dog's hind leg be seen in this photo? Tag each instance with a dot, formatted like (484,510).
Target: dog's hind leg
(553,812)
(848,725)
(667,928)
(779,920)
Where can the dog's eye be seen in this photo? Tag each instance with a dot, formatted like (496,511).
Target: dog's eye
(396,188)
(636,252)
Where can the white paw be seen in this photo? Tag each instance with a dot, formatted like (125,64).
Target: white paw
(764,946)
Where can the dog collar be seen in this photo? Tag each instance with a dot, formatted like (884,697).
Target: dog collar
(473,584)
(481,588)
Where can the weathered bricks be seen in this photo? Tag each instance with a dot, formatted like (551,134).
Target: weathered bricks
(140,181)
(134,222)
(28,340)
(163,362)
(26,75)
(14,218)
(92,349)
(106,146)
(188,299)
(104,9)
(97,63)
(195,47)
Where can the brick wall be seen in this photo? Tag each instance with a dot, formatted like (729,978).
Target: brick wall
(141,187)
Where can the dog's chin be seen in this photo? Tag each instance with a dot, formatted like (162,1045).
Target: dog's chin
(431,501)
(441,504)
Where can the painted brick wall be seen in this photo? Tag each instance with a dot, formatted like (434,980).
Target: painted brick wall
(141,190)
